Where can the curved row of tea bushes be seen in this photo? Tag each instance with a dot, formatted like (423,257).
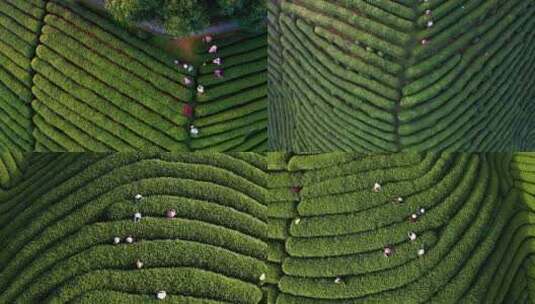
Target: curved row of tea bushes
(99,88)
(479,91)
(281,205)
(324,222)
(388,76)
(231,114)
(75,81)
(12,164)
(331,225)
(59,228)
(20,24)
(279,130)
(522,169)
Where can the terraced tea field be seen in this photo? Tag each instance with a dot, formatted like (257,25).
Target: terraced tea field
(79,82)
(383,76)
(275,228)
(402,228)
(20,25)
(70,234)
(232,113)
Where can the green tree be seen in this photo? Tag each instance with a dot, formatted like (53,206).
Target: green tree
(133,10)
(181,17)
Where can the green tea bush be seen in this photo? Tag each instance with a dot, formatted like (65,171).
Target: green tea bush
(328,235)
(73,80)
(99,88)
(20,23)
(275,228)
(386,76)
(61,227)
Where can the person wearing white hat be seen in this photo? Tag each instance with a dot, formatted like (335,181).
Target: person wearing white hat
(376,187)
(161,295)
(193,131)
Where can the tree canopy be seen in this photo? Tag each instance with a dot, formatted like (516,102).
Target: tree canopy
(181,17)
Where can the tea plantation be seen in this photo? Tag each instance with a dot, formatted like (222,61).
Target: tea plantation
(275,228)
(73,80)
(20,25)
(402,228)
(414,75)
(71,231)
(232,113)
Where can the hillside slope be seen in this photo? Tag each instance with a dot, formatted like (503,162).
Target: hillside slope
(83,83)
(232,113)
(452,228)
(385,76)
(58,226)
(275,228)
(20,26)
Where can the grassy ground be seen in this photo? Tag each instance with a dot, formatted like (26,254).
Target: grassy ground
(374,76)
(83,83)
